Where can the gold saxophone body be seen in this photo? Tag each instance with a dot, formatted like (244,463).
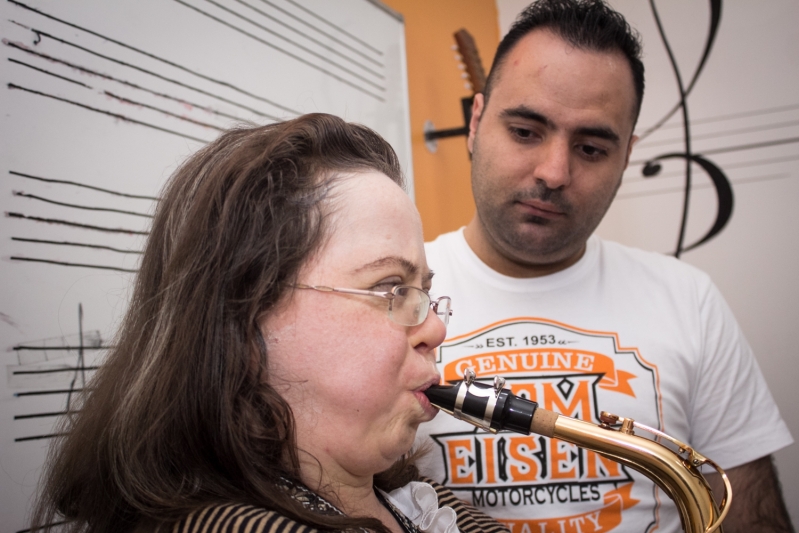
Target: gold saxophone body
(677,472)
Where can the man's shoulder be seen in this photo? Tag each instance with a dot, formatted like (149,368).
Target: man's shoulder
(445,241)
(604,261)
(620,257)
(448,250)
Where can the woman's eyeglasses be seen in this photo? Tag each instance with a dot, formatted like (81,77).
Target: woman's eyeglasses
(407,306)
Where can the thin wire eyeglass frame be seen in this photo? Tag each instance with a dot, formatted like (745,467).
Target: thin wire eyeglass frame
(442,306)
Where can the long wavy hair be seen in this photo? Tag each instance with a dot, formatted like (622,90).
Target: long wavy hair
(181,415)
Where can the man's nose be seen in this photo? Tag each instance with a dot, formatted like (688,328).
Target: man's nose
(552,167)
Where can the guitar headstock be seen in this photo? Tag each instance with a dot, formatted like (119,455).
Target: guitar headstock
(470,58)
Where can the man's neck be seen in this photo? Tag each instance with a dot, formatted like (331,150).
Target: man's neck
(489,253)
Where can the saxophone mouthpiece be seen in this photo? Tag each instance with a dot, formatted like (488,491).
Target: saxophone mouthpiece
(443,396)
(492,408)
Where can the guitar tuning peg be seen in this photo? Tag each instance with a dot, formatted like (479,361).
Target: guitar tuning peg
(453,47)
(458,57)
(461,66)
(464,75)
(467,86)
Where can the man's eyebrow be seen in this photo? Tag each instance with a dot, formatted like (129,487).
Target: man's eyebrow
(392,260)
(603,133)
(529,114)
(526,113)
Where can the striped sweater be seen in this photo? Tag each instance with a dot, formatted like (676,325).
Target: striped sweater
(239,518)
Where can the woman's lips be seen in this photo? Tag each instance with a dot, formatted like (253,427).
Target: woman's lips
(429,409)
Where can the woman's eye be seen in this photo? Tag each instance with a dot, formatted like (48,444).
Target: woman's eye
(386,285)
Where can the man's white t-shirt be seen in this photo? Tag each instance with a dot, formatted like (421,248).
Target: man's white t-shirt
(635,333)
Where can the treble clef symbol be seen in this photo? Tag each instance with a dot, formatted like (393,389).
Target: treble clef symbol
(652,167)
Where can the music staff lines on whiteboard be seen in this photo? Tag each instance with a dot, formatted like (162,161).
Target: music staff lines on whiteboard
(76,224)
(83,185)
(327,35)
(761,162)
(24,48)
(736,148)
(53,370)
(75,372)
(26,258)
(39,437)
(724,133)
(341,30)
(53,524)
(673,190)
(126,83)
(45,392)
(95,73)
(162,111)
(41,415)
(77,244)
(75,206)
(22,347)
(301,47)
(43,71)
(154,57)
(729,166)
(732,116)
(109,113)
(70,264)
(306,36)
(286,52)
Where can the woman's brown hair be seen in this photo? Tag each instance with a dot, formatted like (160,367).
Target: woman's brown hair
(180,416)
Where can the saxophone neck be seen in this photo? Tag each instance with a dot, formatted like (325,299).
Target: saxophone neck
(495,408)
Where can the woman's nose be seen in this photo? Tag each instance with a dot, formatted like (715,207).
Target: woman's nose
(429,334)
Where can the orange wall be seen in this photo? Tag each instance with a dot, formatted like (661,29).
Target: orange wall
(443,189)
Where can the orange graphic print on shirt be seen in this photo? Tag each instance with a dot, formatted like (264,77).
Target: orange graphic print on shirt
(533,483)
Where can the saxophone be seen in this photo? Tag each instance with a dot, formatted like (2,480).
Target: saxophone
(677,473)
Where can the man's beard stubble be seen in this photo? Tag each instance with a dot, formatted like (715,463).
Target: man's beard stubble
(510,230)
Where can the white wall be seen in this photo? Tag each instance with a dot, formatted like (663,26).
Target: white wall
(752,68)
(101,100)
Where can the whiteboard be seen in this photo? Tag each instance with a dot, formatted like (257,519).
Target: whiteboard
(101,101)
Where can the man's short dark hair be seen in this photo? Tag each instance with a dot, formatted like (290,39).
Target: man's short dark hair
(587,24)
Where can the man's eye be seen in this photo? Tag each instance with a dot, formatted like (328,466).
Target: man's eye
(592,151)
(521,133)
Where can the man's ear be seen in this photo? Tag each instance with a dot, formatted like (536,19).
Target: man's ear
(633,140)
(477,111)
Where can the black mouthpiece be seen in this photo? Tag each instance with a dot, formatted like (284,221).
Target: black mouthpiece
(484,407)
(442,396)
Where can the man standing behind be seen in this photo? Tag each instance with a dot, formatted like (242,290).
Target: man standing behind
(578,324)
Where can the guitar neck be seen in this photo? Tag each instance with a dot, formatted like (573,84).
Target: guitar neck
(471,60)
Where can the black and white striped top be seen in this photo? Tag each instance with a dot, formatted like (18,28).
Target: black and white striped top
(241,518)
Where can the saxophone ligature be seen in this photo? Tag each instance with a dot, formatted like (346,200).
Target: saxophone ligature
(495,408)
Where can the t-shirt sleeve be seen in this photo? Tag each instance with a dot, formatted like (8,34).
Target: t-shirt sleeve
(734,418)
